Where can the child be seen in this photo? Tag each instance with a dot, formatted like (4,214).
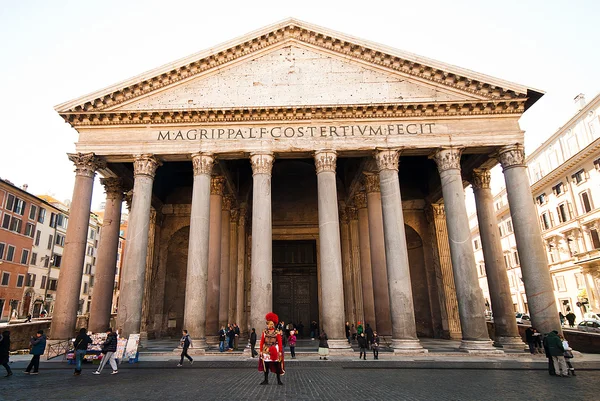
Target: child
(292,343)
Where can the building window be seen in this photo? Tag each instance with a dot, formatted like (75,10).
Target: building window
(50,238)
(92,233)
(2,246)
(509,227)
(597,164)
(43,285)
(88,268)
(32,212)
(53,284)
(29,229)
(52,220)
(507,261)
(578,177)
(30,280)
(90,250)
(85,288)
(42,215)
(10,202)
(580,281)
(558,189)
(38,235)
(10,253)
(6,221)
(545,219)
(60,240)
(19,206)
(516,256)
(25,256)
(586,203)
(57,260)
(560,283)
(501,230)
(20,280)
(595,239)
(61,220)
(476,244)
(5,279)
(541,199)
(563,212)
(16,225)
(46,261)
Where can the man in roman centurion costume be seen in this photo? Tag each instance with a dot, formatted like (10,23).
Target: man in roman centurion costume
(271,350)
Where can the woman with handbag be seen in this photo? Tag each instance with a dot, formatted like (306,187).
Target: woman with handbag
(568,355)
(81,345)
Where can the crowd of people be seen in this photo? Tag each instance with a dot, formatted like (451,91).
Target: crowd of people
(555,347)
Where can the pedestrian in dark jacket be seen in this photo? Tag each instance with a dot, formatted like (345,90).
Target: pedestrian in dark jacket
(231,337)
(236,330)
(109,350)
(222,336)
(369,334)
(5,352)
(375,345)
(185,342)
(554,347)
(253,342)
(362,344)
(38,346)
(81,345)
(323,345)
(532,337)
(347,329)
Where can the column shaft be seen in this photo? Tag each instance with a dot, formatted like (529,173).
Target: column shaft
(233,266)
(64,317)
(355,268)
(240,309)
(347,265)
(106,264)
(366,273)
(214,258)
(225,272)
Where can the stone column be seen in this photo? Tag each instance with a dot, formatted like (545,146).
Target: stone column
(378,262)
(347,264)
(240,308)
(475,335)
(366,273)
(233,265)
(261,269)
(148,308)
(106,264)
(332,287)
(194,316)
(64,317)
(534,265)
(355,265)
(505,324)
(214,259)
(129,316)
(225,272)
(404,328)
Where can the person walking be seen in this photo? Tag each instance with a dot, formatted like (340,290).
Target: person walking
(571,318)
(568,355)
(222,335)
(38,346)
(292,343)
(186,343)
(5,351)
(236,339)
(81,345)
(323,345)
(369,334)
(362,344)
(555,349)
(375,345)
(109,349)
(253,342)
(347,330)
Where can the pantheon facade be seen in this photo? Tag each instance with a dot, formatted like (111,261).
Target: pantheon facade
(307,172)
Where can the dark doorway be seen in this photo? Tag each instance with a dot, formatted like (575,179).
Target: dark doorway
(295,282)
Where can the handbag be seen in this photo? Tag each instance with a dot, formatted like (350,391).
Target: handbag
(568,354)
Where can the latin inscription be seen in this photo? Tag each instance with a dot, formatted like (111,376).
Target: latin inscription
(289,132)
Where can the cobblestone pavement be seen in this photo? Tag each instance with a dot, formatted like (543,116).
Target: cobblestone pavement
(333,381)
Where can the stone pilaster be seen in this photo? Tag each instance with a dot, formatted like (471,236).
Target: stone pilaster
(347,264)
(225,267)
(214,258)
(240,308)
(505,324)
(378,261)
(366,273)
(355,265)
(106,264)
(534,265)
(261,269)
(64,317)
(332,293)
(233,266)
(404,329)
(475,336)
(129,316)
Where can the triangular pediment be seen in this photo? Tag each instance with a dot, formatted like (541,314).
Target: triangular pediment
(296,64)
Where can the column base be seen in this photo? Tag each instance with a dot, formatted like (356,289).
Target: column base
(408,346)
(512,343)
(143,339)
(479,347)
(212,340)
(340,347)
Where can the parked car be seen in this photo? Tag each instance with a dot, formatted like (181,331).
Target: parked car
(523,318)
(592,316)
(589,325)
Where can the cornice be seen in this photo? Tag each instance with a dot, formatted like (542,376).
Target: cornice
(297,113)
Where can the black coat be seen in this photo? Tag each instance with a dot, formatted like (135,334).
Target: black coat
(323,341)
(4,348)
(110,345)
(253,338)
(82,341)
(362,342)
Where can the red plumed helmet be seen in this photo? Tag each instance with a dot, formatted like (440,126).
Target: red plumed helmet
(272,317)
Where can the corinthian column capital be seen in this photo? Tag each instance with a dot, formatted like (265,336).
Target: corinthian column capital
(438,210)
(447,158)
(86,164)
(344,219)
(325,160)
(360,200)
(145,165)
(387,159)
(262,163)
(480,178)
(352,213)
(226,203)
(113,187)
(511,156)
(203,163)
(217,185)
(372,183)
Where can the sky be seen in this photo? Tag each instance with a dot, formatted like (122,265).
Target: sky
(56,51)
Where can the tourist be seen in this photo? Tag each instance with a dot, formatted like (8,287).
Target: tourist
(571,318)
(38,346)
(313,329)
(236,338)
(369,334)
(271,350)
(28,319)
(292,343)
(231,337)
(359,329)
(554,347)
(253,342)
(81,345)
(362,344)
(347,329)
(109,350)
(185,342)
(562,318)
(5,351)
(375,345)
(222,335)
(568,354)
(531,337)
(323,345)
(300,329)
(353,332)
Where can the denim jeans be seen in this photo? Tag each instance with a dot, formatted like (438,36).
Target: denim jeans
(221,346)
(79,354)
